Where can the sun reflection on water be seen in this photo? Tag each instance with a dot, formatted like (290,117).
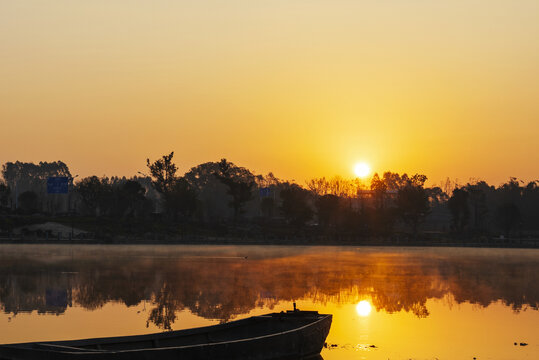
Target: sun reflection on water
(364,308)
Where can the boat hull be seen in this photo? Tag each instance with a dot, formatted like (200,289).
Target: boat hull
(296,343)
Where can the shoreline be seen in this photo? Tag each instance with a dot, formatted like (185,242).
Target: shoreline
(209,240)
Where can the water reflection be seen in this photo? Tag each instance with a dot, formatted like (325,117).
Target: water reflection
(224,282)
(363,308)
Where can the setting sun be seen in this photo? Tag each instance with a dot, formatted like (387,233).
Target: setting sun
(363,308)
(362,169)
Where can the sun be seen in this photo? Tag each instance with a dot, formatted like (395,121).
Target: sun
(362,169)
(363,308)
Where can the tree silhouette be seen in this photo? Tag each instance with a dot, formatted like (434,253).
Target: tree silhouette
(28,201)
(436,196)
(477,196)
(4,194)
(295,205)
(530,205)
(163,173)
(379,188)
(327,208)
(181,199)
(458,206)
(508,216)
(96,194)
(131,201)
(413,201)
(21,177)
(240,184)
(267,205)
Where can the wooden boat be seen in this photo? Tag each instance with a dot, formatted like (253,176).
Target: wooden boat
(286,335)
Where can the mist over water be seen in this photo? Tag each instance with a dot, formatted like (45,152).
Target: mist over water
(458,301)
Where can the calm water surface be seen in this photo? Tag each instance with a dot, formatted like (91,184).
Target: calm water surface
(409,303)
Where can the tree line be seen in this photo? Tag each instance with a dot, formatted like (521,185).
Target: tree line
(222,198)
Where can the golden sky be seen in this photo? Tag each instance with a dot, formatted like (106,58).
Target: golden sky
(300,88)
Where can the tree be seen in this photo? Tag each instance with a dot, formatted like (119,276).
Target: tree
(131,200)
(31,174)
(508,216)
(477,196)
(28,201)
(240,183)
(511,191)
(269,184)
(334,186)
(267,205)
(179,196)
(96,194)
(379,189)
(163,173)
(318,186)
(530,206)
(413,201)
(458,206)
(4,194)
(295,206)
(436,196)
(328,209)
(213,200)
(510,199)
(21,177)
(394,181)
(181,199)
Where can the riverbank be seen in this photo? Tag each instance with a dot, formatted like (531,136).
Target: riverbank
(158,239)
(79,230)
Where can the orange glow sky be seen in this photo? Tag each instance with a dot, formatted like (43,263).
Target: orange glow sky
(300,88)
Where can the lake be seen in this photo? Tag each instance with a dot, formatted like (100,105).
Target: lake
(387,302)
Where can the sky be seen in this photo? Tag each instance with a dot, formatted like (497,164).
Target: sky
(300,88)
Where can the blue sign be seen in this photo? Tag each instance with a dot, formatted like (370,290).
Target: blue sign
(57,185)
(265,192)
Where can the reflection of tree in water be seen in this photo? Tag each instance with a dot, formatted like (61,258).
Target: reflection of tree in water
(24,289)
(163,314)
(509,280)
(213,291)
(104,283)
(222,288)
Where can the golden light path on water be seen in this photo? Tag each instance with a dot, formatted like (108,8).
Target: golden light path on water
(386,303)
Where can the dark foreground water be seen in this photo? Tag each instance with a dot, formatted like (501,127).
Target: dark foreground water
(410,303)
